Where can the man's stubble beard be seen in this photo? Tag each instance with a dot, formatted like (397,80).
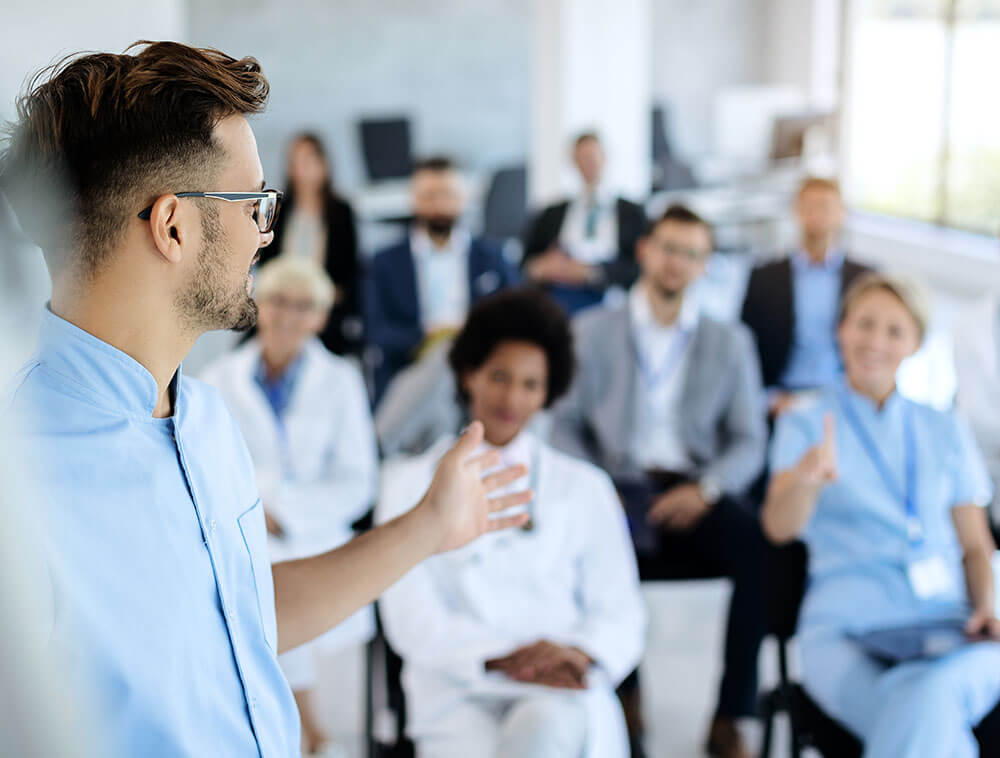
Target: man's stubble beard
(209,302)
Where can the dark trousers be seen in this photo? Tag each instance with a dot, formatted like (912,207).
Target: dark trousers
(726,542)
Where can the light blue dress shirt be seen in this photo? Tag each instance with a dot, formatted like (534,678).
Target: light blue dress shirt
(163,596)
(814,360)
(859,547)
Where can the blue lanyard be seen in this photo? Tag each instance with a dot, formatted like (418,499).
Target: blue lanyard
(655,376)
(914,528)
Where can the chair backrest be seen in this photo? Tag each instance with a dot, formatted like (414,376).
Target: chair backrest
(785,572)
(506,208)
(385,144)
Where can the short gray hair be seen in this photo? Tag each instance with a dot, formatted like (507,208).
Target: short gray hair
(300,274)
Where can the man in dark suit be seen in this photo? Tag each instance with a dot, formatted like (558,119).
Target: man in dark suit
(417,292)
(792,304)
(581,246)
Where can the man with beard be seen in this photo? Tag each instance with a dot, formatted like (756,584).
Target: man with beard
(669,403)
(418,291)
(139,177)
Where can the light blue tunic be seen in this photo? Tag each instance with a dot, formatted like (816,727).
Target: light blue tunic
(859,550)
(163,596)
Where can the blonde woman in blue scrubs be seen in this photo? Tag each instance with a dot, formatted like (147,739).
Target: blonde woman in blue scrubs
(887,494)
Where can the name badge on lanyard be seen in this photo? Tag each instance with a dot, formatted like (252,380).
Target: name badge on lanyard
(927,571)
(654,376)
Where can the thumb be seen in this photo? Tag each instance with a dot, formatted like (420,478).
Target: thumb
(468,441)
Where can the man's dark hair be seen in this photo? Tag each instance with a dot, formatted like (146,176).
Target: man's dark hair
(521,315)
(435,163)
(98,137)
(680,214)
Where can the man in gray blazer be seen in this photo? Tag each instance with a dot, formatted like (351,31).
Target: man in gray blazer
(670,404)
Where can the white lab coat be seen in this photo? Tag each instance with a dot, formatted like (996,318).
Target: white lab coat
(332,458)
(572,580)
(977,367)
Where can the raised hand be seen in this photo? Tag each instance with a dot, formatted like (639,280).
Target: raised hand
(818,467)
(458,497)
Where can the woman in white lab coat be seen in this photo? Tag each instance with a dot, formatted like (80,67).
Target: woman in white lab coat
(514,646)
(305,415)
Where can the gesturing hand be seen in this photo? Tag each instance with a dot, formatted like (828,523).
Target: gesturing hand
(457,500)
(818,467)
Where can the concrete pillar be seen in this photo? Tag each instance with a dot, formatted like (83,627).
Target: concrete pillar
(591,69)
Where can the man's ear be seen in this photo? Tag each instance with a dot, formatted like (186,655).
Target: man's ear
(167,223)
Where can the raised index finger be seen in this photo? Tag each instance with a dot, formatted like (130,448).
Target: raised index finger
(829,432)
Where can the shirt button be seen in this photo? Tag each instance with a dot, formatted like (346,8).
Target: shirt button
(211,526)
(253,702)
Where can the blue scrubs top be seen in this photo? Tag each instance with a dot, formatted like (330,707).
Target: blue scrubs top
(859,545)
(162,591)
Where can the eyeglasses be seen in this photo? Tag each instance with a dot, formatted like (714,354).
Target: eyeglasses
(267,203)
(673,249)
(297,306)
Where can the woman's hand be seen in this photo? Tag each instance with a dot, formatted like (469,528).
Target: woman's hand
(983,623)
(818,467)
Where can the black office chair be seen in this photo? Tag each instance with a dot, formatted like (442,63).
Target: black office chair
(387,666)
(669,172)
(386,146)
(505,211)
(785,572)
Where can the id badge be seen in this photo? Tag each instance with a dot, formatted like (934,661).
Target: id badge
(929,576)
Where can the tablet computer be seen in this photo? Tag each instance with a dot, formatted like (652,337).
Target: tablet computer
(894,645)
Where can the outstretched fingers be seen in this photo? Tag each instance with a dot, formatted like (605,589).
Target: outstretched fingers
(506,522)
(499,479)
(502,503)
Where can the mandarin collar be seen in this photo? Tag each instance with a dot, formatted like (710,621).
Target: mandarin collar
(111,378)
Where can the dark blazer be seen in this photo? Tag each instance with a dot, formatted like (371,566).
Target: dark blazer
(769,311)
(392,303)
(544,230)
(342,333)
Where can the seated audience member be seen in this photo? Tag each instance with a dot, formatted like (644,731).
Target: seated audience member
(316,223)
(419,406)
(304,413)
(977,366)
(513,648)
(791,304)
(419,290)
(669,403)
(887,495)
(579,247)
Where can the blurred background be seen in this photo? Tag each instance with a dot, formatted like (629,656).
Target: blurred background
(724,104)
(721,103)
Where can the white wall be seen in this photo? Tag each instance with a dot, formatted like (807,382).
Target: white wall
(459,69)
(36,33)
(591,66)
(700,48)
